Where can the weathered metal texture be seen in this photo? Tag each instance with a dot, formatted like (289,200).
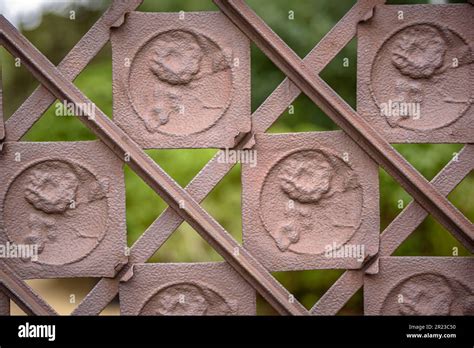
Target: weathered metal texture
(21,293)
(2,121)
(71,66)
(181,80)
(4,303)
(349,120)
(310,202)
(77,59)
(415,72)
(421,286)
(67,199)
(268,112)
(212,288)
(395,233)
(125,148)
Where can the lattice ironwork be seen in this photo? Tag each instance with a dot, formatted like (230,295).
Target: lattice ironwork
(302,76)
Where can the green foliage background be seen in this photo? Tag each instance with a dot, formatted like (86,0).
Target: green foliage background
(312,20)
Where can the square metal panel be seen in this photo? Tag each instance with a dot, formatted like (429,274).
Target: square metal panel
(421,286)
(415,73)
(212,288)
(181,80)
(67,201)
(311,202)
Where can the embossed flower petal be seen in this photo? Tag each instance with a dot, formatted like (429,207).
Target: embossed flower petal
(185,299)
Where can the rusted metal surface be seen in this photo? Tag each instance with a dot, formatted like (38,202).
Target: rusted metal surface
(21,293)
(421,286)
(200,99)
(395,233)
(212,288)
(414,95)
(270,110)
(71,66)
(349,120)
(211,174)
(303,186)
(68,204)
(124,147)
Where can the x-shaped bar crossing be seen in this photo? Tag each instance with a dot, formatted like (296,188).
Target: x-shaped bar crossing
(268,112)
(74,62)
(15,288)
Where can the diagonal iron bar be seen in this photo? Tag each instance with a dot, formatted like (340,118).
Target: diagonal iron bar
(124,147)
(268,112)
(345,117)
(21,293)
(71,66)
(4,303)
(41,99)
(395,233)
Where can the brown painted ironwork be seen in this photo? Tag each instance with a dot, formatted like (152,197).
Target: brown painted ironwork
(302,76)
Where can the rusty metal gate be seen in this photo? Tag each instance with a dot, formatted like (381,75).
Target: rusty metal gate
(430,40)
